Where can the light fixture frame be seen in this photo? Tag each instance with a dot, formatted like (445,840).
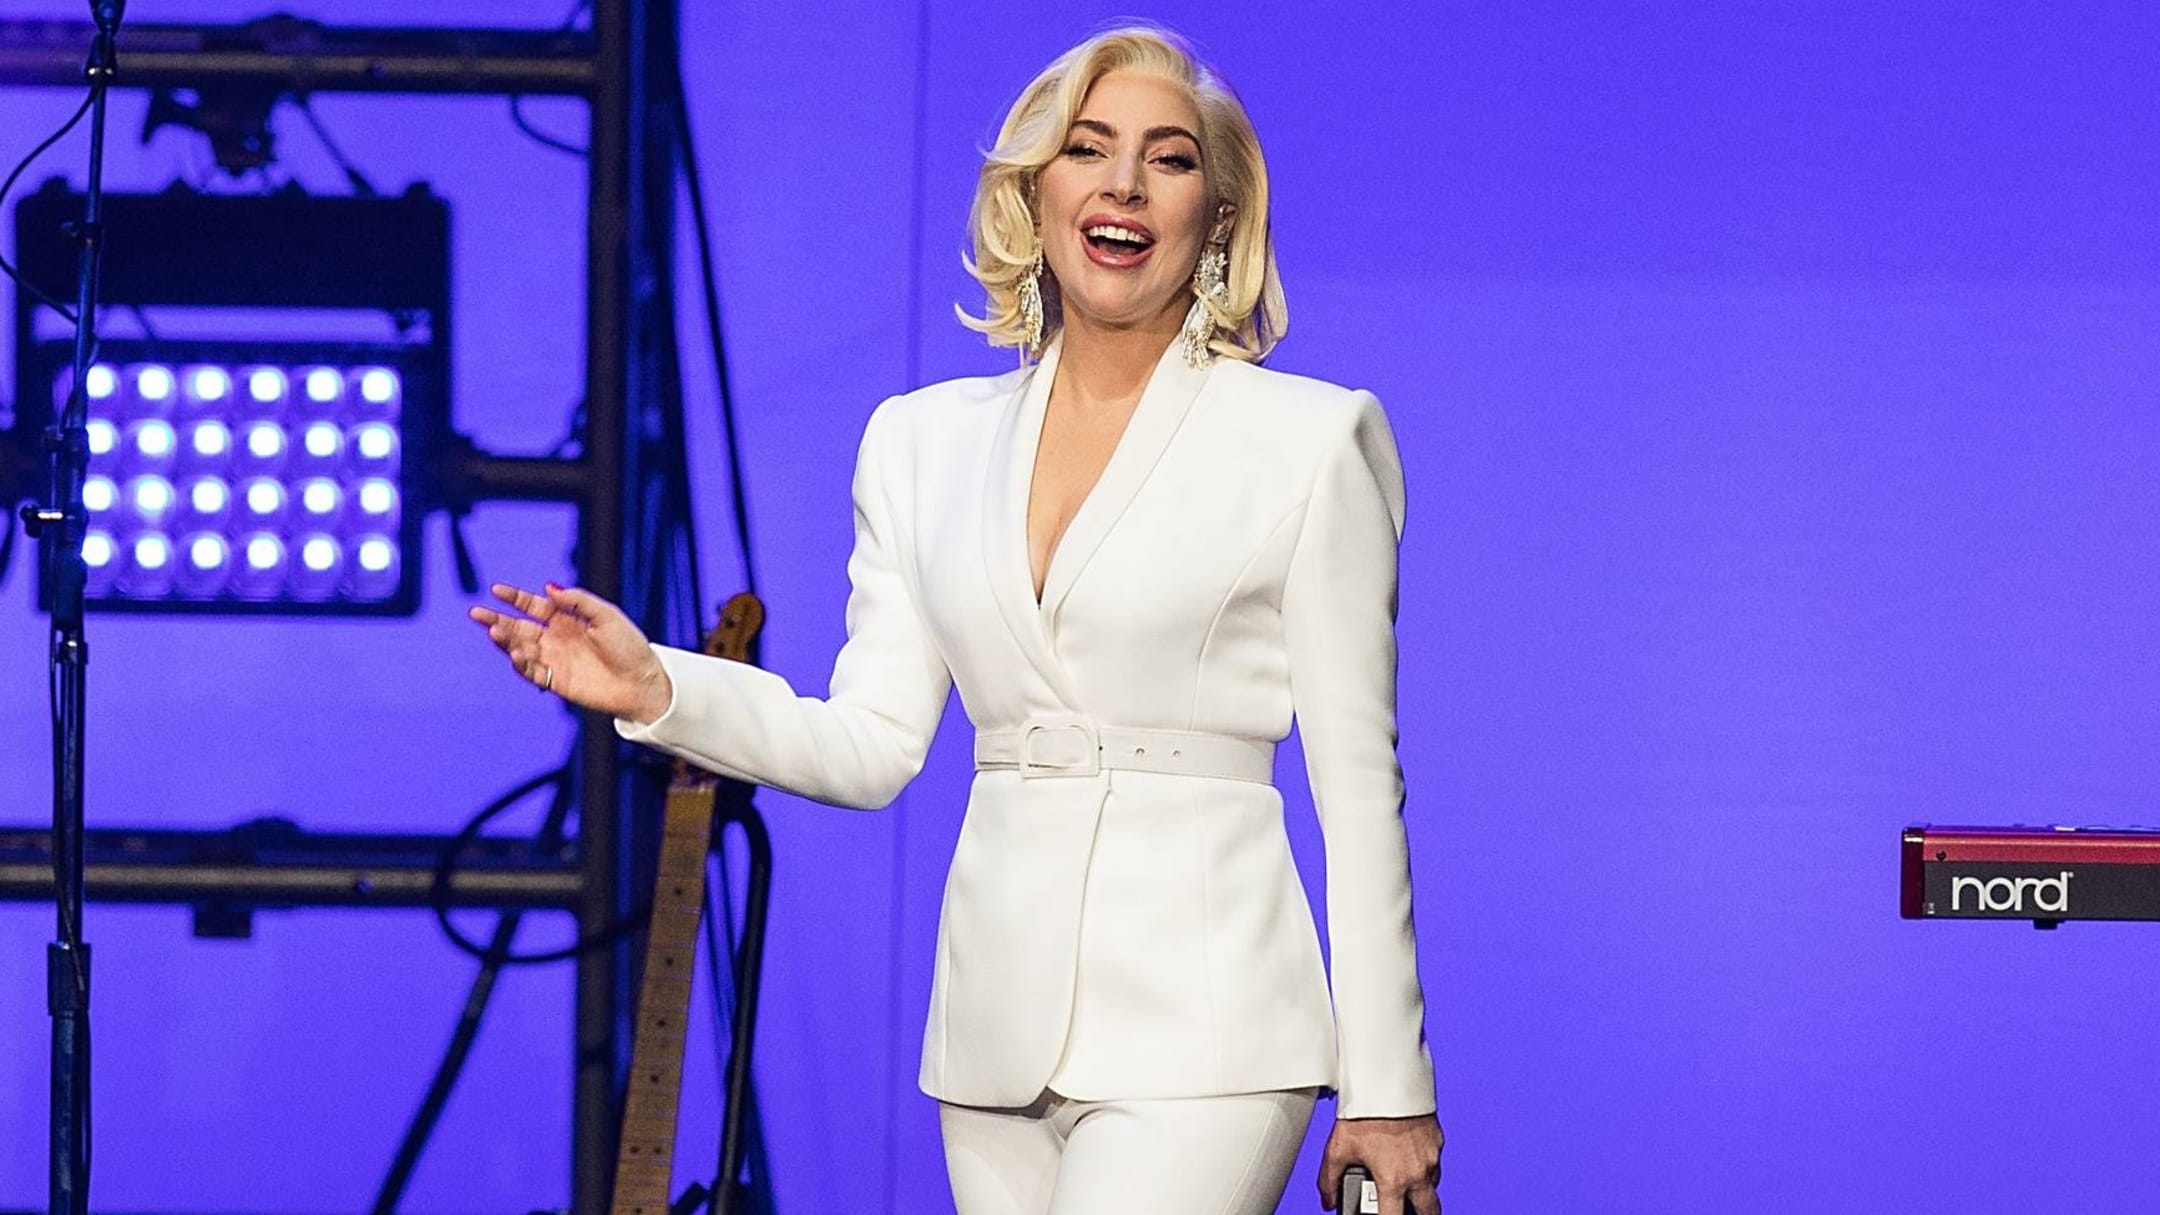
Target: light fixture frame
(53,362)
(284,251)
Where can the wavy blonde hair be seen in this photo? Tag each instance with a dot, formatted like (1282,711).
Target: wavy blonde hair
(1003,226)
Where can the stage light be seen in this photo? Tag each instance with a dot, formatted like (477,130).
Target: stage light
(324,385)
(375,442)
(265,441)
(209,385)
(291,459)
(151,497)
(266,385)
(379,387)
(322,440)
(379,502)
(154,384)
(154,439)
(320,499)
(210,439)
(209,502)
(217,486)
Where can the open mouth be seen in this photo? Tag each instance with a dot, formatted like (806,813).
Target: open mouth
(1117,240)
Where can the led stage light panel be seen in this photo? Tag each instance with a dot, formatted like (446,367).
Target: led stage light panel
(260,478)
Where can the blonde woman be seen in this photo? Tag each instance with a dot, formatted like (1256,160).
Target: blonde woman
(1138,556)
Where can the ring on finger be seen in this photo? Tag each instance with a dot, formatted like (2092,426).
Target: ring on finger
(547,678)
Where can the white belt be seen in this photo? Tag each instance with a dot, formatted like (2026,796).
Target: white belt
(1067,746)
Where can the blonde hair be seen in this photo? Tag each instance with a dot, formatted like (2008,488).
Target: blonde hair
(1002,223)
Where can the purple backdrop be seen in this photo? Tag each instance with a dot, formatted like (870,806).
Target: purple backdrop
(1776,387)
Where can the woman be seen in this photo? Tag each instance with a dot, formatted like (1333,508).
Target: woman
(1136,558)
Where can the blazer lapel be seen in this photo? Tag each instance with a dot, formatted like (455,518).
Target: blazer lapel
(1005,491)
(1169,395)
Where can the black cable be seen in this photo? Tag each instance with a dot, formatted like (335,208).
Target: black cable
(756,1163)
(738,490)
(353,176)
(22,166)
(517,100)
(446,866)
(517,115)
(467,1030)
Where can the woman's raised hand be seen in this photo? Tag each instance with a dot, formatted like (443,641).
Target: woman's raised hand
(580,647)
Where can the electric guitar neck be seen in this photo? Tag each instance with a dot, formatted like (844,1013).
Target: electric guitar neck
(645,1161)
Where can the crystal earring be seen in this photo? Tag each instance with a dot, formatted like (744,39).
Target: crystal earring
(1208,286)
(1031,302)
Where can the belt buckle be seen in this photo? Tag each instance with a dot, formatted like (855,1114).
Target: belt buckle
(1089,741)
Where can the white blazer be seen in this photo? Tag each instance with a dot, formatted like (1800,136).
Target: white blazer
(1125,934)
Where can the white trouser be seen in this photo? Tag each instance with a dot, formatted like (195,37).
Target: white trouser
(1176,1156)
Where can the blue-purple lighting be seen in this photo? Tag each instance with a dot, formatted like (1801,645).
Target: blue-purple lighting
(379,386)
(378,498)
(265,499)
(150,496)
(260,480)
(320,498)
(101,383)
(376,554)
(98,549)
(152,551)
(322,440)
(209,498)
(208,565)
(375,443)
(207,552)
(149,568)
(319,553)
(154,439)
(210,439)
(265,441)
(209,385)
(154,383)
(266,385)
(324,385)
(315,576)
(261,572)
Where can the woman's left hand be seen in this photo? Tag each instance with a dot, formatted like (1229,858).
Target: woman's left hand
(1402,1154)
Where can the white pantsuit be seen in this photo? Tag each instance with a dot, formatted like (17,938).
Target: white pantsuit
(1122,918)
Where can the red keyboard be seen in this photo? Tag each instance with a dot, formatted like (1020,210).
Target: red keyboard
(2043,874)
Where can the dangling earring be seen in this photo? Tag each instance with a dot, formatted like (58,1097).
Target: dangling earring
(1031,303)
(1208,285)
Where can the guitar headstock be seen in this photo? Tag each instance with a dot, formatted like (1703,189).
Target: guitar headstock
(735,637)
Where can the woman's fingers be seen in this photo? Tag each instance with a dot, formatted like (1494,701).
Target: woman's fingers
(535,606)
(581,603)
(574,643)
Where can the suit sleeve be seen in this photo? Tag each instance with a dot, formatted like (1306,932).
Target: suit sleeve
(862,744)
(1339,601)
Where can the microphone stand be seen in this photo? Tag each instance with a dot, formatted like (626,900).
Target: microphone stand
(58,525)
